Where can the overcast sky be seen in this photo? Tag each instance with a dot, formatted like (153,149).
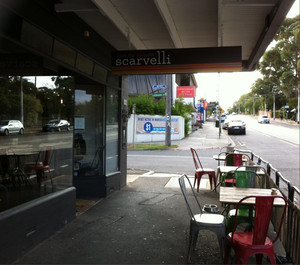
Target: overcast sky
(228,87)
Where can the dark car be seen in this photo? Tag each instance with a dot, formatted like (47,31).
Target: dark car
(236,127)
(57,126)
(11,126)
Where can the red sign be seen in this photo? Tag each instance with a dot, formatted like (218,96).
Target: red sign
(205,104)
(185,91)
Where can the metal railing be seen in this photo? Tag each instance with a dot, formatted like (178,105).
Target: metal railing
(290,231)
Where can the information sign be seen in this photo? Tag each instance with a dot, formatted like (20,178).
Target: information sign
(148,127)
(159,87)
(159,94)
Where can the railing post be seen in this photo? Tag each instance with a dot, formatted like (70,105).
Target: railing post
(277,176)
(291,192)
(290,221)
(269,169)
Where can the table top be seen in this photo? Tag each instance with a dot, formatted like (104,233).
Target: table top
(232,195)
(226,169)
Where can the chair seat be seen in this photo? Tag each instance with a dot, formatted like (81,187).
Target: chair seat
(245,239)
(210,219)
(205,170)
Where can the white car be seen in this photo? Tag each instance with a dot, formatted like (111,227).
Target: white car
(236,127)
(263,119)
(11,126)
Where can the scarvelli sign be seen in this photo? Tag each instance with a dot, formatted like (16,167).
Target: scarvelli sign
(194,60)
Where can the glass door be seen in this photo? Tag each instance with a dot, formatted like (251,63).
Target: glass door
(89,126)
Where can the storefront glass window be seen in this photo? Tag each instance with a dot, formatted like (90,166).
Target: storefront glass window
(36,127)
(88,139)
(112,131)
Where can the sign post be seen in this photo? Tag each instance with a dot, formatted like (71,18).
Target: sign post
(168,110)
(220,111)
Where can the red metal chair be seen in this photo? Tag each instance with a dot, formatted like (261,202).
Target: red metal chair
(246,244)
(233,159)
(39,167)
(200,171)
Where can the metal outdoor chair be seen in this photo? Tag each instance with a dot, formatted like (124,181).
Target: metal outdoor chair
(41,168)
(202,220)
(243,179)
(200,171)
(246,244)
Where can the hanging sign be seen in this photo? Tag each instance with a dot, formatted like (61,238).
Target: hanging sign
(192,60)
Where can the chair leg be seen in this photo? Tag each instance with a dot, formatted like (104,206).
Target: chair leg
(272,259)
(221,245)
(227,253)
(190,248)
(199,176)
(195,179)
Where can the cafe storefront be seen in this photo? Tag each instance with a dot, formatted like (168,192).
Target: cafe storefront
(44,169)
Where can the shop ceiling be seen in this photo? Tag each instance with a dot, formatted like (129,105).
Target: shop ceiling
(169,24)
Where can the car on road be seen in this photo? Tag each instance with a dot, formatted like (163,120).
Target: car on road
(263,119)
(236,127)
(11,126)
(57,126)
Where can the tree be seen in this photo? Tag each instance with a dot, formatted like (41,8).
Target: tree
(280,65)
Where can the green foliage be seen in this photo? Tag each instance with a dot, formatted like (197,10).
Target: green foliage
(146,104)
(38,104)
(280,69)
(183,110)
(280,65)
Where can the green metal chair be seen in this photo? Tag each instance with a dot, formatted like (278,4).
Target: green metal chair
(243,179)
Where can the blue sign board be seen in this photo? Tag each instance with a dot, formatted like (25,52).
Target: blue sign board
(159,87)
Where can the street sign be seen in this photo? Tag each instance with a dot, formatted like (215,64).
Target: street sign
(159,94)
(220,110)
(159,87)
(148,127)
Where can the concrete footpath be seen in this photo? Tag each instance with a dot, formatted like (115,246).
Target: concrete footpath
(146,222)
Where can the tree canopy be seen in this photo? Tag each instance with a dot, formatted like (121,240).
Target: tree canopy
(280,69)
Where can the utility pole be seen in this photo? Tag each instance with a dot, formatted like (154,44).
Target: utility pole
(265,104)
(21,100)
(274,108)
(168,110)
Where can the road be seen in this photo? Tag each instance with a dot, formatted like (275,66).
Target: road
(276,143)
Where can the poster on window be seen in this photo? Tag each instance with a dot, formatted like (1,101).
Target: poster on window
(155,125)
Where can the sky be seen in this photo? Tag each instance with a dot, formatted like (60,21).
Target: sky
(228,87)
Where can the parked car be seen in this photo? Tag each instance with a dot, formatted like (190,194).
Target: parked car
(236,127)
(57,126)
(225,124)
(11,126)
(263,119)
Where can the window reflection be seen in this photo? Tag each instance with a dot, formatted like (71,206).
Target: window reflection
(112,131)
(34,162)
(88,141)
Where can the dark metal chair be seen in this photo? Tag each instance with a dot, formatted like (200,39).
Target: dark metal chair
(202,220)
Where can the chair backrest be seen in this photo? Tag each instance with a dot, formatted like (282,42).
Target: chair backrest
(247,179)
(263,212)
(182,180)
(234,159)
(47,156)
(196,159)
